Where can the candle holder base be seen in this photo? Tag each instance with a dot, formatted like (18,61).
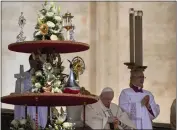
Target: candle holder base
(140,68)
(130,65)
(133,66)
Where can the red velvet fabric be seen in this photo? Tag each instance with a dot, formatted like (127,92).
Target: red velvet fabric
(67,90)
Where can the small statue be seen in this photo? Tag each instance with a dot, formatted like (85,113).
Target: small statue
(21,23)
(20,37)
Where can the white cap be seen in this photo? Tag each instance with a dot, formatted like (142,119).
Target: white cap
(107,89)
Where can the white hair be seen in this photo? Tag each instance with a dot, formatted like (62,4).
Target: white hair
(107,89)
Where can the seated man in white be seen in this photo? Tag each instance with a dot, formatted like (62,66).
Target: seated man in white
(173,115)
(106,115)
(139,103)
(19,111)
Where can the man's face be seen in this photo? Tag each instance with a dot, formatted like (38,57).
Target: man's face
(35,63)
(106,98)
(138,79)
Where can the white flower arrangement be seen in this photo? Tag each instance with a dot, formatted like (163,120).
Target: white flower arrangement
(49,78)
(23,124)
(50,16)
(59,121)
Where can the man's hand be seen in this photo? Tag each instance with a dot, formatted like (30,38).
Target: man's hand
(116,124)
(145,101)
(112,119)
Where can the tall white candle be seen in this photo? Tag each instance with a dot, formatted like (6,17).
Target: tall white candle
(131,31)
(138,39)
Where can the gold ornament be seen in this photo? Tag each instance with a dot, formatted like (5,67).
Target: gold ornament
(44,30)
(78,66)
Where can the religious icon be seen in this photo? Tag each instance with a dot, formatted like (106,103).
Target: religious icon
(78,67)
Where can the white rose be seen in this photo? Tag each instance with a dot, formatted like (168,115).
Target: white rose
(56,90)
(37,85)
(57,83)
(53,37)
(14,122)
(58,18)
(54,10)
(56,127)
(38,73)
(41,17)
(67,125)
(60,119)
(50,14)
(34,90)
(50,24)
(23,121)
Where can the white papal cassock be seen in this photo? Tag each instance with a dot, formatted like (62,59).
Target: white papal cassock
(130,102)
(97,116)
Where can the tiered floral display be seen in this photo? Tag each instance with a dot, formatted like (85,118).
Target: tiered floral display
(48,80)
(49,77)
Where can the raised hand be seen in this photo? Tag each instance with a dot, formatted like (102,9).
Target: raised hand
(145,101)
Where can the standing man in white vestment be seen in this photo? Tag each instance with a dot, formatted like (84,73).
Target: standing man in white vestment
(31,111)
(106,115)
(139,103)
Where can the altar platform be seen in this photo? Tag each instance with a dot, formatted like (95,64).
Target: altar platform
(7,115)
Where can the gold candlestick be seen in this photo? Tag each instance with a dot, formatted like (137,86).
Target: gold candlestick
(67,23)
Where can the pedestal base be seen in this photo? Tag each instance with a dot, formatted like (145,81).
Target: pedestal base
(133,66)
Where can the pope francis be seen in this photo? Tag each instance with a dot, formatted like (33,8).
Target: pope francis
(106,115)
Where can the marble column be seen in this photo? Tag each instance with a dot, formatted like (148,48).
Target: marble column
(104,58)
(92,41)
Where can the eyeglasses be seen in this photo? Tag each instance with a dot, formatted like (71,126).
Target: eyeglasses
(140,77)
